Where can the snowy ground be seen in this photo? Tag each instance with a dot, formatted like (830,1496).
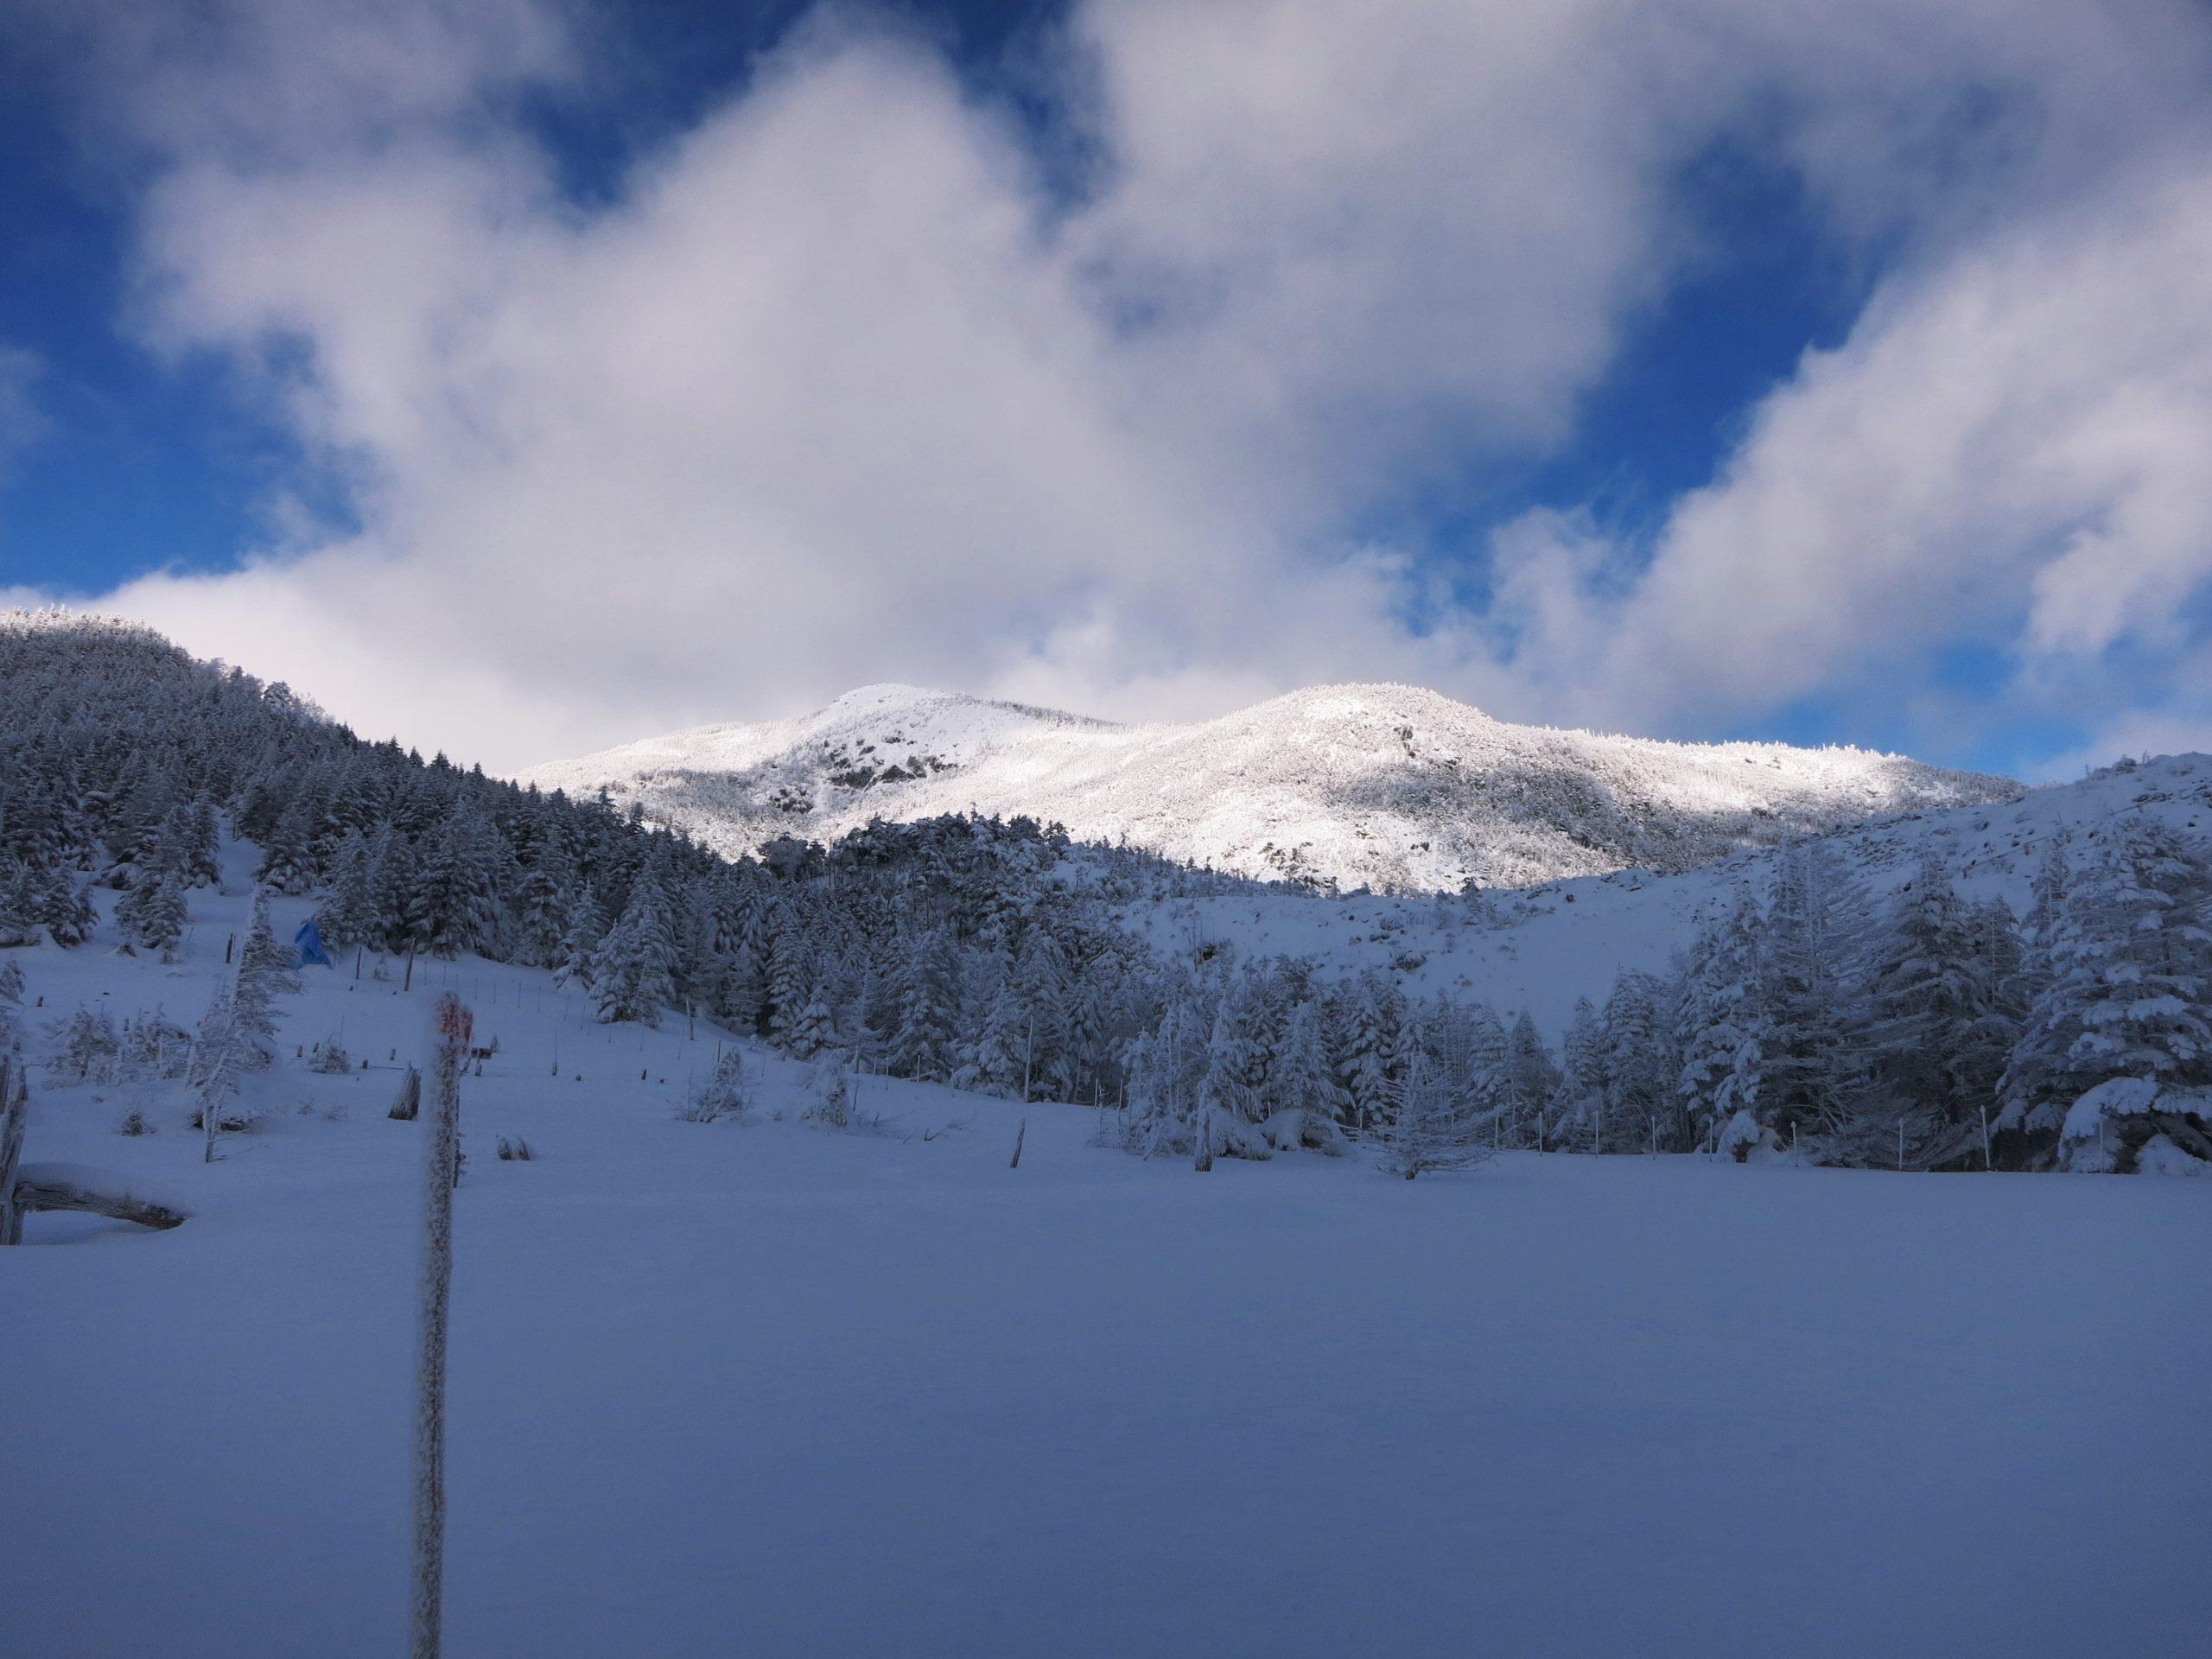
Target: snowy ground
(753,1388)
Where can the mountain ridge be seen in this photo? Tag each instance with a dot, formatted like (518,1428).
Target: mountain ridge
(1386,785)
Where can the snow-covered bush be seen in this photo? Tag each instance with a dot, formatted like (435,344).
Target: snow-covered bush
(1741,1136)
(828,1094)
(86,1046)
(726,1092)
(154,1048)
(329,1058)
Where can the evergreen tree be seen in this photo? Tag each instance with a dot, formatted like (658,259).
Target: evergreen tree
(994,1058)
(791,980)
(1580,1100)
(1302,1098)
(349,914)
(2132,981)
(62,906)
(1530,1080)
(1817,931)
(203,845)
(924,989)
(632,971)
(1721,1026)
(1040,981)
(1928,993)
(12,1008)
(814,1032)
(1228,1107)
(1370,1036)
(454,904)
(264,973)
(1431,1130)
(1642,1111)
(287,865)
(580,943)
(151,915)
(19,906)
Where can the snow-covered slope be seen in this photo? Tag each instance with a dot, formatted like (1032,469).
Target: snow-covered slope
(1387,787)
(1541,949)
(884,1392)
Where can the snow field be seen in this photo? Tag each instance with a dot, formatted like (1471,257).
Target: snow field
(751,1387)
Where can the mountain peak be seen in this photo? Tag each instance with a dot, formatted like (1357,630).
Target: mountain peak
(1376,785)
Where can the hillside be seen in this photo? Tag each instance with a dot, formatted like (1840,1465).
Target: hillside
(1385,787)
(1222,1013)
(1543,948)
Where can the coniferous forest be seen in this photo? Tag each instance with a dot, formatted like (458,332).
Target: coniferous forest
(1924,1030)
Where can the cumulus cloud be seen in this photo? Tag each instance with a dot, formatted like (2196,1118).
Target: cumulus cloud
(2007,448)
(837,387)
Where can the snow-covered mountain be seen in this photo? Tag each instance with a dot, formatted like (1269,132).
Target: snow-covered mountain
(1387,787)
(1542,948)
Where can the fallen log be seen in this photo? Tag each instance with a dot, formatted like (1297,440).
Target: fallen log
(33,1192)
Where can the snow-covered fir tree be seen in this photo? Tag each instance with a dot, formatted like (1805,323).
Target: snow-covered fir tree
(633,971)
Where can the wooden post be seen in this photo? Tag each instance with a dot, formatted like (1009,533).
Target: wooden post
(15,1107)
(440,1162)
(1020,1135)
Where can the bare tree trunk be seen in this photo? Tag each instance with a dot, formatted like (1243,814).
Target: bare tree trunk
(440,1158)
(1204,1161)
(14,1109)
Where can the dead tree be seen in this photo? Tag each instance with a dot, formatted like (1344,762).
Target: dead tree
(441,1168)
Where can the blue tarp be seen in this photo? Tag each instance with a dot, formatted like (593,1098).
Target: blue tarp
(308,940)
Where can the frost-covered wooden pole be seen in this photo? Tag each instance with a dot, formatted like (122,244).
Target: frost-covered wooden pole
(441,1146)
(15,1107)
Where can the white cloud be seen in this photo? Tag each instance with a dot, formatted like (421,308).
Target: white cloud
(2008,449)
(834,391)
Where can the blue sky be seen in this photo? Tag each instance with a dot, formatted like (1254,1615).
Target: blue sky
(521,377)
